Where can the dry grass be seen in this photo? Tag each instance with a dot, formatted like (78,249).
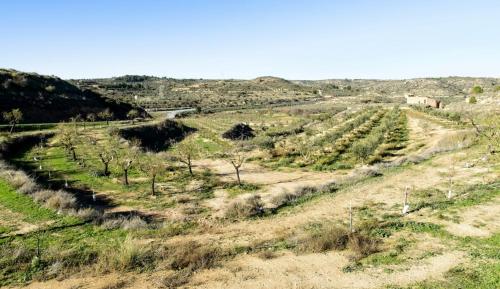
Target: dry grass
(126,223)
(267,254)
(87,214)
(326,238)
(115,285)
(193,256)
(176,279)
(333,237)
(61,200)
(57,200)
(129,255)
(19,180)
(249,207)
(186,258)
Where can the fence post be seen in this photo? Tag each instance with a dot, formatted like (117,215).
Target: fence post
(406,206)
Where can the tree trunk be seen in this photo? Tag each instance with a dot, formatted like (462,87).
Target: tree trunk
(125,174)
(190,166)
(153,185)
(12,128)
(106,169)
(107,122)
(238,175)
(73,154)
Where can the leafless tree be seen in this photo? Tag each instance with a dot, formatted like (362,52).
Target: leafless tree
(153,166)
(126,158)
(185,153)
(68,137)
(13,117)
(236,158)
(106,115)
(132,115)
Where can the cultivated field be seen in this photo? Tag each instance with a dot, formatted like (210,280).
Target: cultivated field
(330,194)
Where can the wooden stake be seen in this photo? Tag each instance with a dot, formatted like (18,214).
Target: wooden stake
(406,206)
(350,217)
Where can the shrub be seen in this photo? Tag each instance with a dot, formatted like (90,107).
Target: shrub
(267,254)
(333,237)
(87,214)
(28,187)
(477,89)
(129,255)
(61,200)
(287,198)
(362,245)
(327,238)
(193,256)
(130,223)
(472,100)
(249,207)
(239,131)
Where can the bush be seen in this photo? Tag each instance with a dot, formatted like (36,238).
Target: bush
(472,100)
(60,200)
(477,89)
(193,256)
(239,131)
(287,198)
(129,255)
(362,245)
(327,238)
(130,223)
(249,207)
(333,237)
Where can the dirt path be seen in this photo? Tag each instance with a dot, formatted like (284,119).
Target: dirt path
(272,182)
(478,221)
(317,271)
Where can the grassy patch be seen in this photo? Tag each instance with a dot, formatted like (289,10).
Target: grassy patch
(484,276)
(234,189)
(19,203)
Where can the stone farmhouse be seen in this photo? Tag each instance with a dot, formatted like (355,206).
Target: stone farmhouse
(423,100)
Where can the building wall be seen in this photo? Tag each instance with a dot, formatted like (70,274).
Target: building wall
(427,101)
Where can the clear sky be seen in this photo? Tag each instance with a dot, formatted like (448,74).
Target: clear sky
(308,39)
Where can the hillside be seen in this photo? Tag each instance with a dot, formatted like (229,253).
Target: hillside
(151,91)
(51,99)
(435,87)
(208,94)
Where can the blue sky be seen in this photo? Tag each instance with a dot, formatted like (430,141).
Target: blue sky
(312,39)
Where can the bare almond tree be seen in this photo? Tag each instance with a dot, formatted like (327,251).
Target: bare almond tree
(236,158)
(153,166)
(13,117)
(68,138)
(106,115)
(185,153)
(126,159)
(107,154)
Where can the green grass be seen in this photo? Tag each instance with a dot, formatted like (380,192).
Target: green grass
(465,196)
(73,247)
(22,204)
(483,276)
(62,169)
(234,189)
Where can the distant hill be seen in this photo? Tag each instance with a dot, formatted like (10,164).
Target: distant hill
(434,87)
(51,99)
(214,93)
(149,91)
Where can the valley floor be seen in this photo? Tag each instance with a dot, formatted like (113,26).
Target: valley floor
(438,243)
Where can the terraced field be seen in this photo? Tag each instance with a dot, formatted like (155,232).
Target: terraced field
(319,204)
